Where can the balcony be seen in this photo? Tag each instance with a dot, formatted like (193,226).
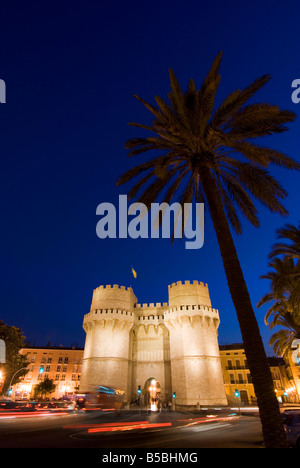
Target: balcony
(239,382)
(236,367)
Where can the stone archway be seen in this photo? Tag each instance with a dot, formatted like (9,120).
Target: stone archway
(152,394)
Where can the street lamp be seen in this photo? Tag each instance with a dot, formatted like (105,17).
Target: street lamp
(237,396)
(41,370)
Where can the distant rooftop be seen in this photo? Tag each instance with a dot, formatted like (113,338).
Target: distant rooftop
(231,346)
(78,348)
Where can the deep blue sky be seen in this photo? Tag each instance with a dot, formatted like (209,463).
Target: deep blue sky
(71,69)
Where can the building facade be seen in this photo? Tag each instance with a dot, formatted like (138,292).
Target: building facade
(285,374)
(236,374)
(62,365)
(162,348)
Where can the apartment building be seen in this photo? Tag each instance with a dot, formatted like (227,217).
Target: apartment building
(62,365)
(236,373)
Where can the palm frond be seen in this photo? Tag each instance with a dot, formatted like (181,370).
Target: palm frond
(290,233)
(258,120)
(235,101)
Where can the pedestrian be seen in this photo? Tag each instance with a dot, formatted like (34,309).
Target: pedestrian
(159,406)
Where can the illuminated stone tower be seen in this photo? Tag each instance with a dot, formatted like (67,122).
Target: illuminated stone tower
(195,360)
(106,359)
(174,344)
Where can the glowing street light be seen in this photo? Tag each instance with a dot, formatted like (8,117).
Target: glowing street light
(41,370)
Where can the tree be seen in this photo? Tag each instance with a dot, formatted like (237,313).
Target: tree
(290,233)
(284,339)
(16,363)
(44,388)
(284,294)
(285,288)
(209,156)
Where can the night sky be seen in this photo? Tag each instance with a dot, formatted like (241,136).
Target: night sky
(71,69)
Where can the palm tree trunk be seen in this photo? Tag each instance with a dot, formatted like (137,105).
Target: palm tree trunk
(273,432)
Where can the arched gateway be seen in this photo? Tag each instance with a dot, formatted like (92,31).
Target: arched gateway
(152,394)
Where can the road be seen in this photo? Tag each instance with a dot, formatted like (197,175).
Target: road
(129,430)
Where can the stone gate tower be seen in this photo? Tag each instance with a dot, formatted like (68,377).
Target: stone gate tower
(195,358)
(129,344)
(106,359)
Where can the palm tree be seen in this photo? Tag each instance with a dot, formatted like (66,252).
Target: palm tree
(285,288)
(285,303)
(211,155)
(282,341)
(291,233)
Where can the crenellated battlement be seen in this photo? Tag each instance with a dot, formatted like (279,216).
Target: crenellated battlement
(152,305)
(175,314)
(114,286)
(109,311)
(118,318)
(150,318)
(183,296)
(189,308)
(188,283)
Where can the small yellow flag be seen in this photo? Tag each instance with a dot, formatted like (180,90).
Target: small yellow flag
(134,272)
